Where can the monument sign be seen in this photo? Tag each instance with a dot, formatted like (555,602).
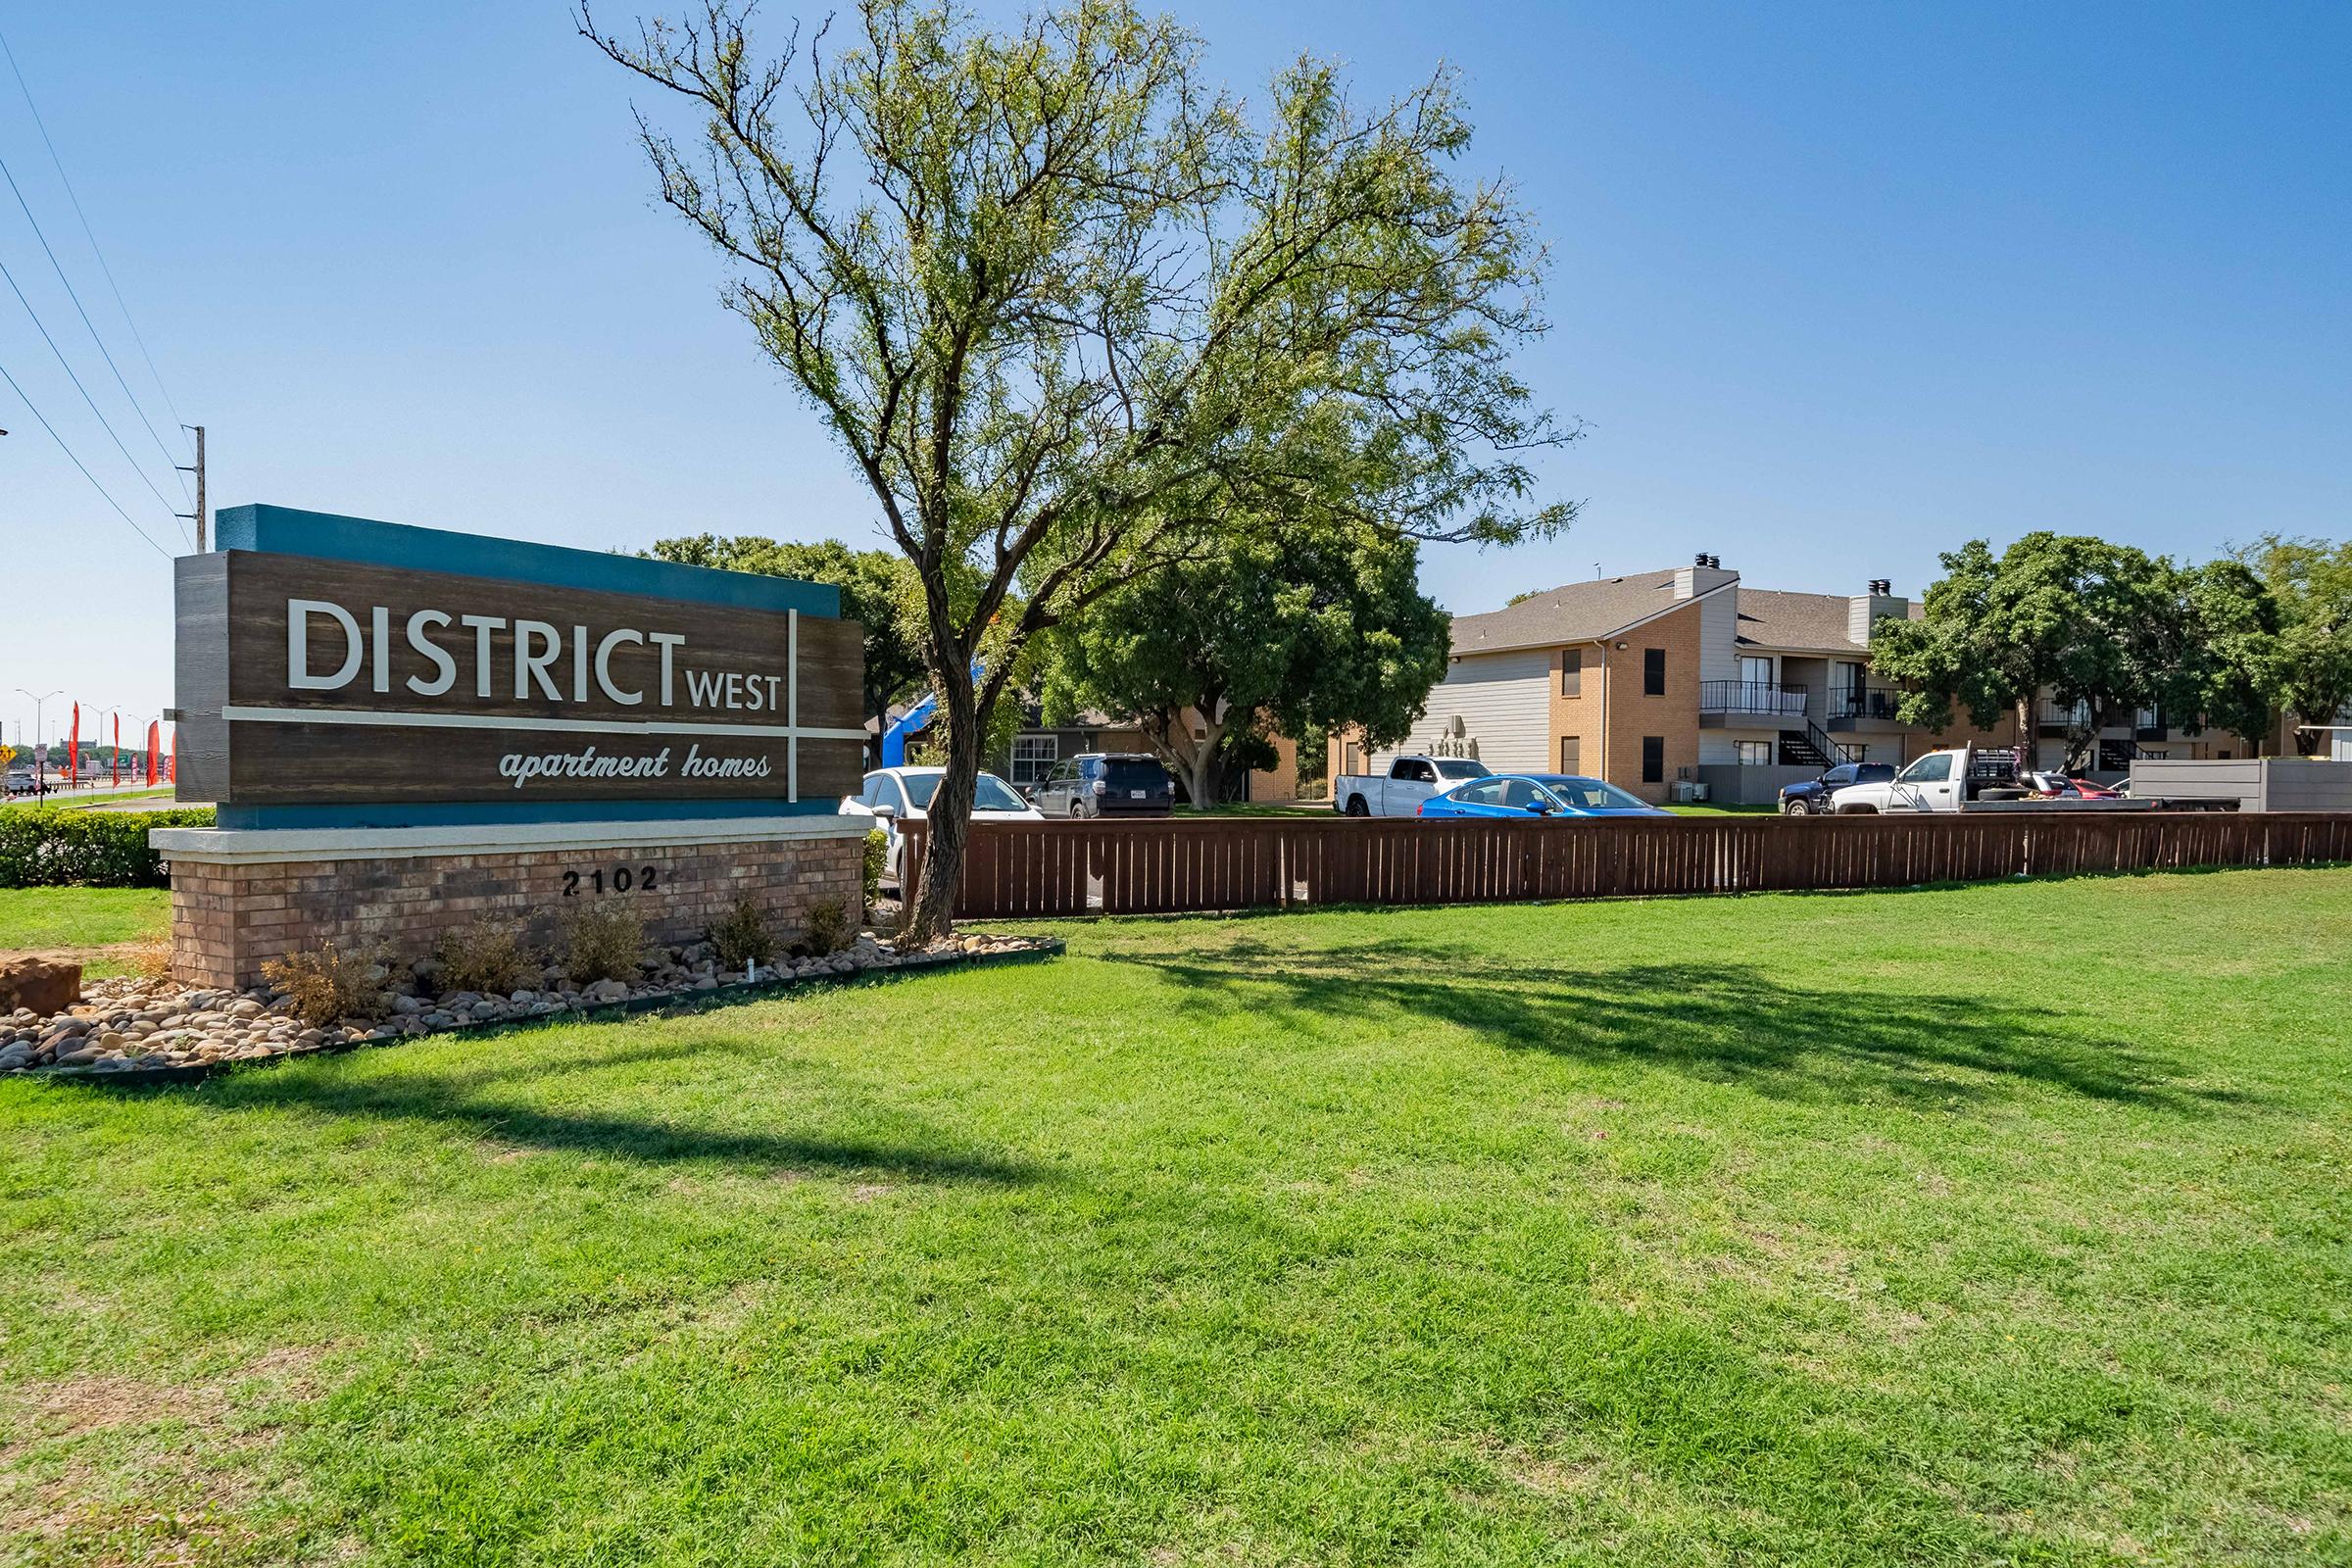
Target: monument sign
(406,728)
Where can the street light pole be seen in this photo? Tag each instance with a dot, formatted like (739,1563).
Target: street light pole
(40,769)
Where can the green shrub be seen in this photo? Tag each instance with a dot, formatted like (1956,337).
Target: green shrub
(830,927)
(488,956)
(744,935)
(603,940)
(60,845)
(328,982)
(878,856)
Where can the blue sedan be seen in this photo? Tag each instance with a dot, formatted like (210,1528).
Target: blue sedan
(1525,795)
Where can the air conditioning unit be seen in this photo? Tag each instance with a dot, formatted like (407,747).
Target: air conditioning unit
(1698,792)
(1684,792)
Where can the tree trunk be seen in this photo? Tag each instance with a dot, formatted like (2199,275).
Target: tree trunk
(948,821)
(1201,770)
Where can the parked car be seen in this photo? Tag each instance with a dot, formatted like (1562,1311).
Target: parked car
(1106,784)
(896,795)
(27,783)
(1563,795)
(1400,791)
(2059,787)
(1810,795)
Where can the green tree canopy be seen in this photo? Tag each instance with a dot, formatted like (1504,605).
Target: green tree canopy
(1293,629)
(2311,581)
(876,591)
(2230,672)
(1068,310)
(2098,624)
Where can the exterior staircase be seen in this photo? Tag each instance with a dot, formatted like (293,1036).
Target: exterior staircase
(1810,746)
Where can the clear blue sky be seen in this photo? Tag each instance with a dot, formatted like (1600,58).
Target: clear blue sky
(1836,286)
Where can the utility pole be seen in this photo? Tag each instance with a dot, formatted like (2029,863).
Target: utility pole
(198,515)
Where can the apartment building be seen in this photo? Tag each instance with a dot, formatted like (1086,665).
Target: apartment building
(1688,675)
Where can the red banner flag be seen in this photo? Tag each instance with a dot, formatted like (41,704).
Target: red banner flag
(155,741)
(118,751)
(173,774)
(73,751)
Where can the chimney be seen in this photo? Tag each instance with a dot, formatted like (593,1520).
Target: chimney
(1865,610)
(1705,572)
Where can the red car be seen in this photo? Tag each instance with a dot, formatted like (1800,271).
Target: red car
(2059,786)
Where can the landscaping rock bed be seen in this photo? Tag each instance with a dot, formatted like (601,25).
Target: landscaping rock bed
(162,1027)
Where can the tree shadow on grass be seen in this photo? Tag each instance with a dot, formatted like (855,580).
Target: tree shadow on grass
(454,1099)
(1730,1022)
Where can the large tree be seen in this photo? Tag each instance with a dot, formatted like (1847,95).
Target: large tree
(1290,629)
(2311,580)
(876,592)
(2103,627)
(1067,310)
(2230,672)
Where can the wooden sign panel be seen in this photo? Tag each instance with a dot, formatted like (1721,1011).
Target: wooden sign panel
(305,680)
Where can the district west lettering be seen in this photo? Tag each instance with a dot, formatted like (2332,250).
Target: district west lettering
(547,661)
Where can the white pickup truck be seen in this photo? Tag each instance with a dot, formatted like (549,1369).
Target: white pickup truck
(1963,779)
(1400,791)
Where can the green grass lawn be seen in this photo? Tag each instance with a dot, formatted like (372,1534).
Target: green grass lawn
(82,920)
(84,799)
(1996,1225)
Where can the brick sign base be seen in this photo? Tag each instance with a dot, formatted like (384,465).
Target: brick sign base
(240,898)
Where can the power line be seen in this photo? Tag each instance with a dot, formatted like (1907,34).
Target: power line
(87,325)
(83,390)
(90,235)
(78,463)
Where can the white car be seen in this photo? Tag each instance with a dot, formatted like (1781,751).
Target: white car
(898,795)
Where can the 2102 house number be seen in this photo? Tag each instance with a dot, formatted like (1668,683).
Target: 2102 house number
(620,879)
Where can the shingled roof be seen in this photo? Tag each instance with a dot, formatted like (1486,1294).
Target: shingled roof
(1770,618)
(1577,612)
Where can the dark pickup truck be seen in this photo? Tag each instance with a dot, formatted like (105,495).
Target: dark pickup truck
(1809,795)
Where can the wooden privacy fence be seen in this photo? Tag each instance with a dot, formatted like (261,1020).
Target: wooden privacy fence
(1172,865)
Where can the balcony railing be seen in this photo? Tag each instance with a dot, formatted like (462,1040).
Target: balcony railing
(2147,724)
(1864,702)
(1767,699)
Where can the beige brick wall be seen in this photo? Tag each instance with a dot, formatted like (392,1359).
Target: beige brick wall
(1631,714)
(229,920)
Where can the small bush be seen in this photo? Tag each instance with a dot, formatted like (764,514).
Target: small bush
(744,935)
(604,941)
(830,928)
(486,954)
(62,845)
(328,982)
(151,960)
(877,857)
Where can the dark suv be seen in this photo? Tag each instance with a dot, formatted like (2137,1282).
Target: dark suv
(1108,784)
(1808,796)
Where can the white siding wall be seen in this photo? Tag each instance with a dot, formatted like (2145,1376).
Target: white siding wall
(1720,747)
(1504,703)
(1718,634)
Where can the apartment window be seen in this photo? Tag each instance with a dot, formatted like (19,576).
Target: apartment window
(1572,673)
(1033,757)
(1653,759)
(1653,672)
(1571,754)
(1755,754)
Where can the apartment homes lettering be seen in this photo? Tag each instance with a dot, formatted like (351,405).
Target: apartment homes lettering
(1689,676)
